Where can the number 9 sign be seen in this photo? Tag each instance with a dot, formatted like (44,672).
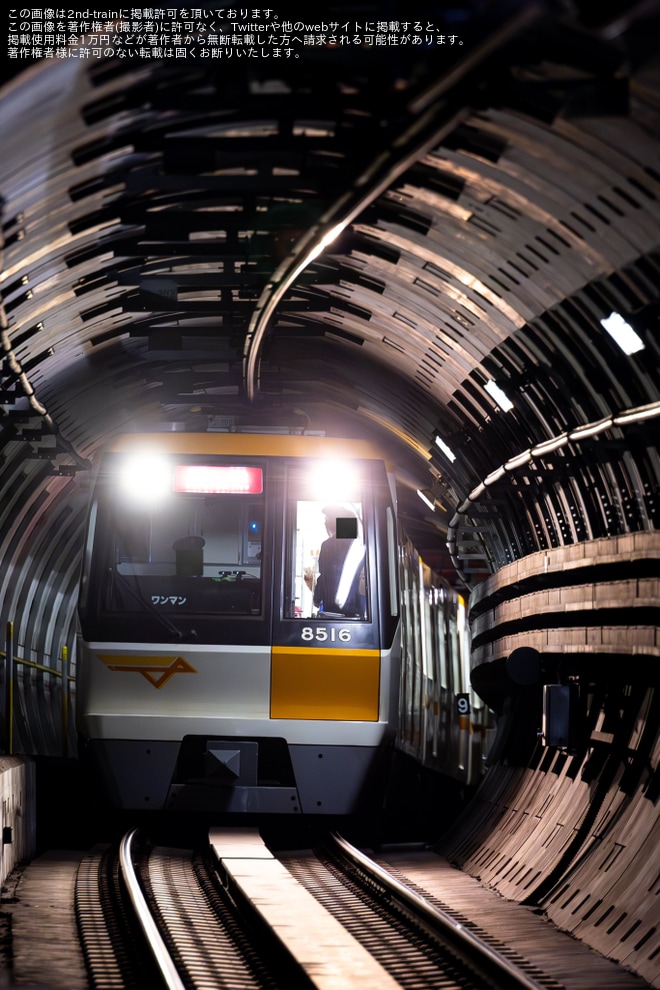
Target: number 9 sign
(463,704)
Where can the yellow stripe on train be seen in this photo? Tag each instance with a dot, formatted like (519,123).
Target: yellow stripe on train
(333,684)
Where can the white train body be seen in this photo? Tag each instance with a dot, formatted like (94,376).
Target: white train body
(240,627)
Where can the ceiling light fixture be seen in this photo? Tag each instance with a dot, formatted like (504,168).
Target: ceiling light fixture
(426,496)
(500,397)
(447,451)
(622,333)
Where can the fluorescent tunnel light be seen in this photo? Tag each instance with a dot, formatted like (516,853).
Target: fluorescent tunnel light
(427,498)
(500,397)
(447,451)
(622,333)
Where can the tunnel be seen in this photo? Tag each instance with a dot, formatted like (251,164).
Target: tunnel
(450,246)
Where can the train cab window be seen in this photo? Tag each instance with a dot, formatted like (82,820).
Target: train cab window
(326,561)
(192,551)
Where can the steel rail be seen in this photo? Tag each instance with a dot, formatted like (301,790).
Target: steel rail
(438,919)
(162,957)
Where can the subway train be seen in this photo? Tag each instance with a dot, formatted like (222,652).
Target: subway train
(256,635)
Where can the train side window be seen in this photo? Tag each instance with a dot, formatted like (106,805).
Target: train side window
(326,569)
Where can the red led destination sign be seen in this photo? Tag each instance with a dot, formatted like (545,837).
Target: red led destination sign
(216,479)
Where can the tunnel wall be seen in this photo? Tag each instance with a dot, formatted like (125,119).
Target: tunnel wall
(572,830)
(573,600)
(18,824)
(493,258)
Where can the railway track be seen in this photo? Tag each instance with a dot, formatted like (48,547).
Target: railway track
(157,917)
(237,916)
(418,943)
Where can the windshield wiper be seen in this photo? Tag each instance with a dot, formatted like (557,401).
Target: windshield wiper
(163,619)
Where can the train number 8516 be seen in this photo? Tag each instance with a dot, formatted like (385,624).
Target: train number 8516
(321,634)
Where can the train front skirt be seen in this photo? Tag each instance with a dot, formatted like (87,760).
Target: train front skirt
(240,775)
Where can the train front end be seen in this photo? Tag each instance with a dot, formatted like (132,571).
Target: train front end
(238,624)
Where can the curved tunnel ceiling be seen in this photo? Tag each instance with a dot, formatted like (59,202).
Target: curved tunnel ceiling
(361,245)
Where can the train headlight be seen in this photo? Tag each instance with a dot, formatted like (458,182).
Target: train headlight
(336,481)
(145,477)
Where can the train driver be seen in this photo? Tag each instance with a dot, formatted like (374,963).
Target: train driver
(189,552)
(340,586)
